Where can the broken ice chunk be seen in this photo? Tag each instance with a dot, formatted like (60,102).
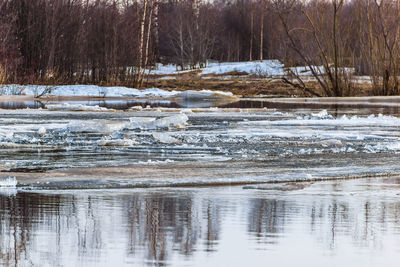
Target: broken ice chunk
(332,142)
(176,121)
(42,131)
(116,142)
(165,138)
(94,126)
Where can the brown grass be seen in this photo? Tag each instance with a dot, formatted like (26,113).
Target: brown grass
(246,86)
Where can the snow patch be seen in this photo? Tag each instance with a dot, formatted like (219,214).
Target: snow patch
(306,70)
(262,68)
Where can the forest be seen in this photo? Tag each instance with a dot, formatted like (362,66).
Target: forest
(116,42)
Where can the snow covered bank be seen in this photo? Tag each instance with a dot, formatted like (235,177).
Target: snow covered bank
(83,90)
(97,91)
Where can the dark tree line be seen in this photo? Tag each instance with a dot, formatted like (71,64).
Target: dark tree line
(117,41)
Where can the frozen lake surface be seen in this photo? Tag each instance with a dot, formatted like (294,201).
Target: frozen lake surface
(152,178)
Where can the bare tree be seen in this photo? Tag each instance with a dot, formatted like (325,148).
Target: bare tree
(379,43)
(9,54)
(318,44)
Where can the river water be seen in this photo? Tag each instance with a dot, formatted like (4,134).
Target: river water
(348,223)
(314,186)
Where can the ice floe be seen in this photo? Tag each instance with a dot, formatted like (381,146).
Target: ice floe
(165,138)
(94,126)
(176,121)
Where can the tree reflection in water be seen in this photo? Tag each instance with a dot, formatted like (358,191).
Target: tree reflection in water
(168,227)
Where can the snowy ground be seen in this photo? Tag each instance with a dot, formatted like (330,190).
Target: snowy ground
(264,68)
(243,145)
(261,68)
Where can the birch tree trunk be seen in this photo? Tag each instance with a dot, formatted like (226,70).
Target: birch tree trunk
(156,31)
(141,44)
(146,58)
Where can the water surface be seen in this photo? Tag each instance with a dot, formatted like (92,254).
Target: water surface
(348,223)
